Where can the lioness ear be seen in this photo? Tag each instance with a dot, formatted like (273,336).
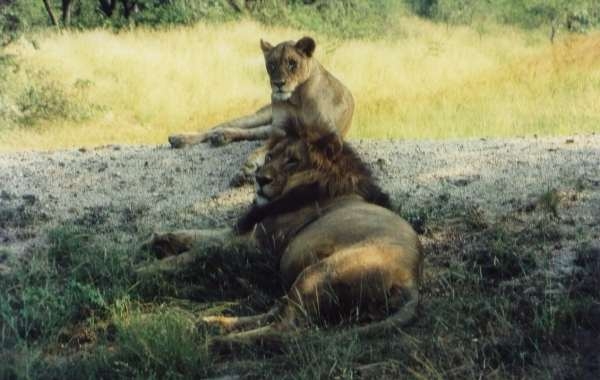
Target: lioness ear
(265,46)
(330,144)
(306,45)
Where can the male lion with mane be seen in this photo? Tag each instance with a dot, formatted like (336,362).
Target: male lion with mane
(341,256)
(302,89)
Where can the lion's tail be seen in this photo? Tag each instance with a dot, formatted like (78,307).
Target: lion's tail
(400,318)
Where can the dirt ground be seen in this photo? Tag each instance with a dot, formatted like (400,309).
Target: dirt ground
(155,187)
(511,230)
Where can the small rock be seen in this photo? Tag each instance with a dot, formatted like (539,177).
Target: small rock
(4,270)
(569,141)
(82,150)
(464,180)
(29,198)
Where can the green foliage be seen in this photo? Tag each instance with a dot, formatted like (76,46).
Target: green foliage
(76,280)
(344,18)
(182,12)
(576,16)
(549,201)
(501,256)
(161,344)
(17,16)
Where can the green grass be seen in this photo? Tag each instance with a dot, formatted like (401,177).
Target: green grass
(76,309)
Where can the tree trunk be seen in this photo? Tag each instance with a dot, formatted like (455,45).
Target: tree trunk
(129,7)
(66,12)
(53,19)
(108,7)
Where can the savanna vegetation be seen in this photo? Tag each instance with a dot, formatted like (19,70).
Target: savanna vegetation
(135,71)
(421,69)
(497,304)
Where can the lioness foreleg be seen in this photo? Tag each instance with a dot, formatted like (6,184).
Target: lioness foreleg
(226,135)
(262,117)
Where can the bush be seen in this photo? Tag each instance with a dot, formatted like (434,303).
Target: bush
(49,100)
(576,16)
(17,17)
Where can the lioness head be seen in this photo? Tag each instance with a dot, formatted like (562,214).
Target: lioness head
(288,64)
(292,161)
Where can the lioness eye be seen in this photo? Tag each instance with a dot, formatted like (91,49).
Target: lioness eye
(268,157)
(270,67)
(292,65)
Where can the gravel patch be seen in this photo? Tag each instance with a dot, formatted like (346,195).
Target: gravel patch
(135,189)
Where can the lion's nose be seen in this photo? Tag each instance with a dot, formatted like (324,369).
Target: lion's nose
(279,83)
(263,180)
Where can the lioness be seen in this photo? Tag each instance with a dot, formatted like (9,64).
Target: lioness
(340,257)
(301,89)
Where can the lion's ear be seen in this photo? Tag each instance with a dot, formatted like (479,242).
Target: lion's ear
(265,46)
(306,45)
(331,145)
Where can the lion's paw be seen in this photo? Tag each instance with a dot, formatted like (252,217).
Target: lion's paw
(177,141)
(219,138)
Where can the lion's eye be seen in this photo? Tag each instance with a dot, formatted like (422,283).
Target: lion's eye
(292,162)
(268,157)
(292,64)
(270,67)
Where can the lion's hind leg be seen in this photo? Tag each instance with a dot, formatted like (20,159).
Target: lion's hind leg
(229,324)
(270,338)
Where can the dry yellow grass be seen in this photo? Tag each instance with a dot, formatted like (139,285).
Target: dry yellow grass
(432,82)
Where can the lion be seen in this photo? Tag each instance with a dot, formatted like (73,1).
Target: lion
(301,89)
(342,257)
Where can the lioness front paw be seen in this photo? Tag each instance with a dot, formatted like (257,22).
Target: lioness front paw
(177,141)
(219,138)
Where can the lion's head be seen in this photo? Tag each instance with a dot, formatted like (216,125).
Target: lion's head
(289,65)
(334,167)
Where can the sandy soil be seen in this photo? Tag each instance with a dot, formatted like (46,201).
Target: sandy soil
(134,189)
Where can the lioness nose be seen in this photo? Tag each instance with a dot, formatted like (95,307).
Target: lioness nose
(279,83)
(263,180)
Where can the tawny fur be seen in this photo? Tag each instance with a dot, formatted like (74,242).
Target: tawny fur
(341,257)
(302,89)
